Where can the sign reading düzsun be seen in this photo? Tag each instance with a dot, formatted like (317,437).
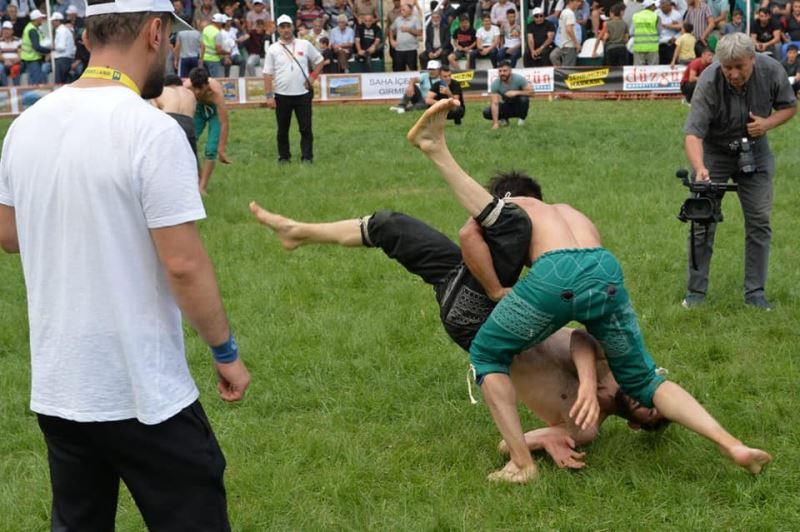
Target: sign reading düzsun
(659,78)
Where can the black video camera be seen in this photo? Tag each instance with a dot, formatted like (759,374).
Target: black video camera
(746,161)
(705,204)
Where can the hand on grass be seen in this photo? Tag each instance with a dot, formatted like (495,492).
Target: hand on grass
(562,450)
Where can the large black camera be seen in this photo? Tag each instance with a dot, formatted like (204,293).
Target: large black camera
(705,204)
(744,148)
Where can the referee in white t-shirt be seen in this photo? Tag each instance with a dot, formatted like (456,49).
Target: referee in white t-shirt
(288,84)
(112,259)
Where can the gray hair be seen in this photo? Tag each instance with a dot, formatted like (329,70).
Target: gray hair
(341,18)
(735,46)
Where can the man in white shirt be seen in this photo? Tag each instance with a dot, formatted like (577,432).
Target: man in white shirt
(567,53)
(289,87)
(488,37)
(63,48)
(111,258)
(343,39)
(670,24)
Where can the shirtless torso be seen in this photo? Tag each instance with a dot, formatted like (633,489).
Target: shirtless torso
(176,99)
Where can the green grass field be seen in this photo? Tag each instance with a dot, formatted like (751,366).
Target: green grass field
(358,416)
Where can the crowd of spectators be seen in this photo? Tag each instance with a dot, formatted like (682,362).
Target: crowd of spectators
(231,36)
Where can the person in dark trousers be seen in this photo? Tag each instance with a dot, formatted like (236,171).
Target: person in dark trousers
(288,83)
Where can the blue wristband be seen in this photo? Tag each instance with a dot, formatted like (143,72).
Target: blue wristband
(227,352)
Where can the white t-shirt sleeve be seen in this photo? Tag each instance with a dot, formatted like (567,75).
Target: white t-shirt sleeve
(167,179)
(5,178)
(269,62)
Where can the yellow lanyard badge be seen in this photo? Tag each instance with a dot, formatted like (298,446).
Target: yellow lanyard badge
(111,74)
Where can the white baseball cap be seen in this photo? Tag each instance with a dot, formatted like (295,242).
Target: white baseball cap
(36,15)
(57,16)
(434,65)
(72,10)
(648,3)
(284,19)
(8,25)
(537,11)
(107,7)
(219,18)
(258,1)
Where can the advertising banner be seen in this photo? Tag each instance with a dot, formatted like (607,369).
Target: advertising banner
(658,78)
(542,79)
(600,79)
(384,85)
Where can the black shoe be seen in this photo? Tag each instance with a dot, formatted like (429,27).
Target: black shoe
(306,161)
(758,302)
(283,161)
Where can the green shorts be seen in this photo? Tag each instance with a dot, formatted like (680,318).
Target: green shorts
(207,114)
(584,285)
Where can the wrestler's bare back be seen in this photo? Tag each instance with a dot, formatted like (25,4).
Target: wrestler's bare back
(546,380)
(176,99)
(557,226)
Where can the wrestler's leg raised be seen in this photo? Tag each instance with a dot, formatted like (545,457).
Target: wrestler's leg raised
(428,135)
(293,234)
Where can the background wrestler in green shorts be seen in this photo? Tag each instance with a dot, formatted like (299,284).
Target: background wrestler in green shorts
(210,110)
(572,277)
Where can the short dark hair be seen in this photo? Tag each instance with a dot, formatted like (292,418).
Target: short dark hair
(504,62)
(445,68)
(792,46)
(624,410)
(172,80)
(199,77)
(617,9)
(764,10)
(688,27)
(515,183)
(486,15)
(511,10)
(119,29)
(324,40)
(462,17)
(738,12)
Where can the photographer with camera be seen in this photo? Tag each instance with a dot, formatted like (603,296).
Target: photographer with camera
(726,138)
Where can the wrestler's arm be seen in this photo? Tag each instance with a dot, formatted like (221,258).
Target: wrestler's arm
(586,409)
(478,259)
(222,112)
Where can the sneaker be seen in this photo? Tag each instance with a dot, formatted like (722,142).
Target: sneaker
(692,300)
(395,108)
(520,122)
(503,122)
(401,110)
(759,302)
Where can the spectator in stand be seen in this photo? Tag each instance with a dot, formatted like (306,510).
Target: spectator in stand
(488,37)
(342,39)
(790,65)
(187,51)
(18,23)
(203,14)
(719,10)
(76,21)
(693,71)
(766,33)
(329,65)
(10,46)
(317,32)
(212,46)
(631,8)
(390,18)
(25,9)
(63,49)
(511,45)
(736,25)
(369,41)
(500,11)
(541,34)
(670,25)
(779,9)
(615,37)
(464,41)
(510,97)
(448,12)
(234,37)
(418,88)
(33,53)
(258,12)
(567,53)
(792,35)
(447,87)
(340,7)
(403,37)
(255,47)
(437,40)
(307,14)
(698,14)
(685,46)
(645,35)
(364,7)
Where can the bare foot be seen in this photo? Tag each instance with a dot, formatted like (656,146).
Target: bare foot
(282,226)
(428,133)
(512,474)
(502,448)
(754,460)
